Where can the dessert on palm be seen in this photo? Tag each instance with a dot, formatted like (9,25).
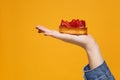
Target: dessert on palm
(77,27)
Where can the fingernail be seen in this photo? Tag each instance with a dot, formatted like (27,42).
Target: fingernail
(39,31)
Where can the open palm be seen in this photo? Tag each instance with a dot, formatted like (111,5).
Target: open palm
(81,40)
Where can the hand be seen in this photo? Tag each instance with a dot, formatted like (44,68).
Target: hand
(85,41)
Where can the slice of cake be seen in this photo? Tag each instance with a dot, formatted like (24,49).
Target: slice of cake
(77,27)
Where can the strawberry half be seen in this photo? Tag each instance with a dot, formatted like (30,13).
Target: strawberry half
(65,23)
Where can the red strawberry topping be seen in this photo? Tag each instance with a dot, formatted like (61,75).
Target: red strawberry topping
(74,23)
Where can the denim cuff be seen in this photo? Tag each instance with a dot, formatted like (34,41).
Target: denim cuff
(100,72)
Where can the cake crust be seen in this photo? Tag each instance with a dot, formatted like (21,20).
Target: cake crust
(76,31)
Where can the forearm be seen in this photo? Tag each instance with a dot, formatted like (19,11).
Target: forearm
(94,55)
(97,68)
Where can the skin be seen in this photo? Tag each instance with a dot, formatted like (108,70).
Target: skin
(87,42)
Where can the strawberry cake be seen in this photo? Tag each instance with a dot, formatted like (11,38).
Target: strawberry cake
(76,26)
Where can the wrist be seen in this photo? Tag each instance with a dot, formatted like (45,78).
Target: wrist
(92,46)
(94,55)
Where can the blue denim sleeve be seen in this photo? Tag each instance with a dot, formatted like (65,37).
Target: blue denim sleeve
(102,72)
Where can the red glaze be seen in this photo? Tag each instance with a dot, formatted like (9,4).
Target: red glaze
(73,24)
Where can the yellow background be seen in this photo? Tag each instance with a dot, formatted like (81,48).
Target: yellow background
(27,55)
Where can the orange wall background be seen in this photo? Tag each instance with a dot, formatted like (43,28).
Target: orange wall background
(27,55)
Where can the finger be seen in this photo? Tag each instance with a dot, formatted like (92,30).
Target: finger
(42,29)
(59,35)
